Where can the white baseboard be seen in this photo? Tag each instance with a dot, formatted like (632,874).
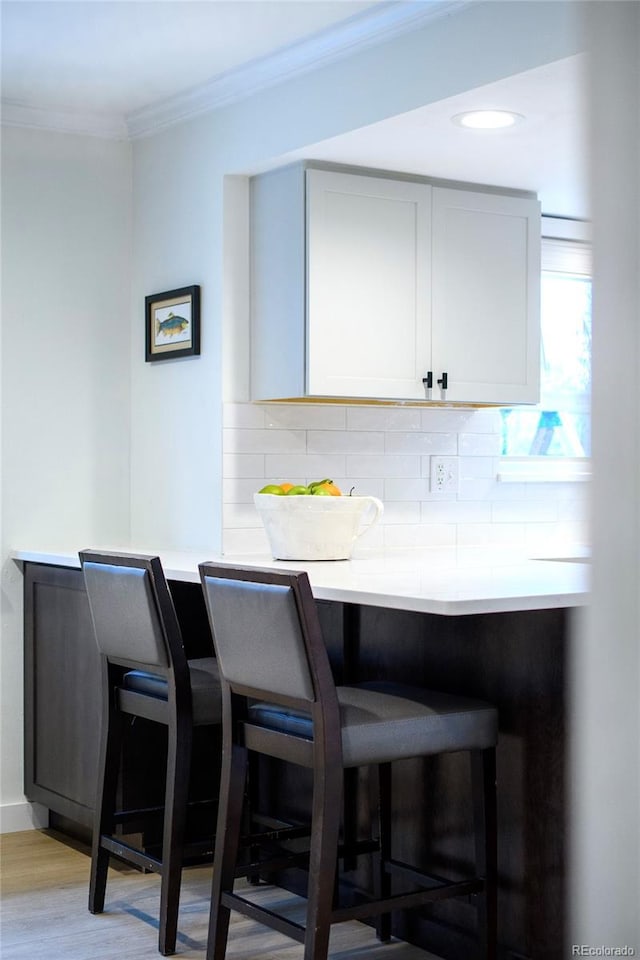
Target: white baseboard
(23,816)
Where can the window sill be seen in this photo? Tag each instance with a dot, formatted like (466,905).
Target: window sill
(544,470)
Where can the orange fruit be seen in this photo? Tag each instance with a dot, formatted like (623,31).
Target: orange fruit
(330,488)
(285,487)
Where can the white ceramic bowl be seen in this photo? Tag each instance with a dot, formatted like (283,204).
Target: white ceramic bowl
(313,527)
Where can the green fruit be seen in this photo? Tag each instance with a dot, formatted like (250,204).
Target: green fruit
(272,488)
(297,491)
(318,483)
(321,492)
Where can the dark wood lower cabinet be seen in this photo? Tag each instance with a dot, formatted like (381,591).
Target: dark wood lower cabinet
(514,660)
(62,692)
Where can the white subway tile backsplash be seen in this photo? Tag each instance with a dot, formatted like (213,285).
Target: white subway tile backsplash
(242,415)
(441,444)
(472,488)
(239,541)
(484,421)
(572,510)
(452,511)
(518,491)
(477,467)
(369,539)
(343,441)
(476,488)
(264,441)
(472,534)
(236,515)
(445,421)
(362,486)
(367,465)
(575,492)
(420,535)
(240,489)
(479,444)
(409,489)
(540,536)
(386,452)
(524,511)
(401,511)
(305,416)
(383,418)
(508,534)
(243,465)
(312,466)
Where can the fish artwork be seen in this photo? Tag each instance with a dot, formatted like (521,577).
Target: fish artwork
(172,326)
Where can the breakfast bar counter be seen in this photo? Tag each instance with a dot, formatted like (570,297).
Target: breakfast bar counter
(479,622)
(450,581)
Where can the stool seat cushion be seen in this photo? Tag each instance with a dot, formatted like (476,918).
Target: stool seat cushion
(384,721)
(205,688)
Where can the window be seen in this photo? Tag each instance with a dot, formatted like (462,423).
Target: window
(553,439)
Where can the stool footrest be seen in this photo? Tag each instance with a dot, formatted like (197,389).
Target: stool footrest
(131,854)
(137,813)
(399,869)
(276,835)
(263,915)
(405,900)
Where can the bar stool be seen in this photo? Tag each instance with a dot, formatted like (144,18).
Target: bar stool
(145,673)
(279,699)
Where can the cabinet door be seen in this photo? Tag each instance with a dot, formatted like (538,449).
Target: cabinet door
(485,296)
(368,279)
(62,693)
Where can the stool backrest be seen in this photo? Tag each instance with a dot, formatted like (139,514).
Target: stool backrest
(266,631)
(133,614)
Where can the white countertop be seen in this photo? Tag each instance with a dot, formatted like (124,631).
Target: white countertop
(450,580)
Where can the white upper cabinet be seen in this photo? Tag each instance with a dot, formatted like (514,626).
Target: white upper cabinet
(485,296)
(368,285)
(372,287)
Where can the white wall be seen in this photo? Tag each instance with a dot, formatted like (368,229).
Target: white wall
(66,204)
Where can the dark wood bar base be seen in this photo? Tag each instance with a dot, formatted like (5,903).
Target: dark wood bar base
(517,661)
(514,660)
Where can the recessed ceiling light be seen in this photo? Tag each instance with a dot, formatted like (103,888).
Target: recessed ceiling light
(487,119)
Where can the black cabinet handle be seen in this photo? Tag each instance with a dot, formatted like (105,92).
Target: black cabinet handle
(443,381)
(428,380)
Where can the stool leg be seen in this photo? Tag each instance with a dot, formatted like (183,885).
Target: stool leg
(350,817)
(175,815)
(103,822)
(483,770)
(252,803)
(325,827)
(382,878)
(232,784)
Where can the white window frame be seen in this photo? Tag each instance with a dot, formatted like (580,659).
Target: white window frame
(556,231)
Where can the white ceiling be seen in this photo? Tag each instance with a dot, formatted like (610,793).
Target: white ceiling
(546,153)
(114,58)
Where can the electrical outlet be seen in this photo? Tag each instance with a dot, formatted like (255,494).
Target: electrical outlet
(444,474)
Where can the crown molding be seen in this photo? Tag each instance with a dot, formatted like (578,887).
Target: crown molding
(379,24)
(107,126)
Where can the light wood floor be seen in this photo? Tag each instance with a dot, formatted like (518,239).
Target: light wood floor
(44,885)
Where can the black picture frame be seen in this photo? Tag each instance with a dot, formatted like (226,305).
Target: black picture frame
(172,324)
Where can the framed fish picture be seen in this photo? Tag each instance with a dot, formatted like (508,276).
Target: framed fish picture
(172,324)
